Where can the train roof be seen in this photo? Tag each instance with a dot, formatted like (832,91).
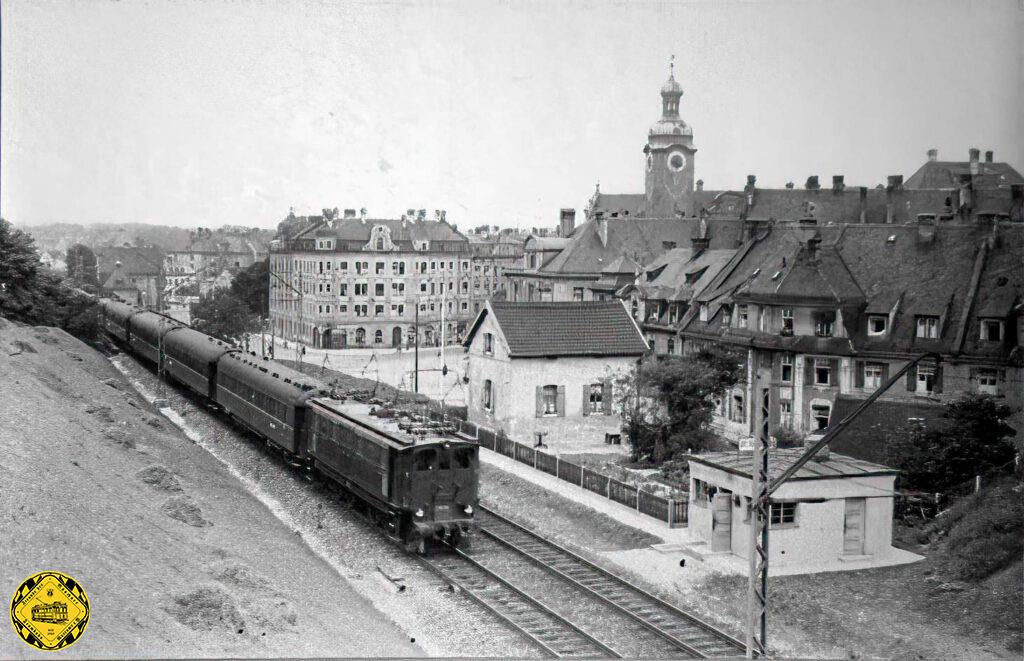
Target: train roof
(152,323)
(397,432)
(198,344)
(272,377)
(121,310)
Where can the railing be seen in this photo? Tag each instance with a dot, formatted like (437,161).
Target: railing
(670,510)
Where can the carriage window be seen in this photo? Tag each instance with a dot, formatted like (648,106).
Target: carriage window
(426,460)
(446,459)
(464,458)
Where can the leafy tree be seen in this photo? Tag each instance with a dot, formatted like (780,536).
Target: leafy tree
(974,442)
(222,314)
(667,404)
(252,286)
(82,265)
(32,294)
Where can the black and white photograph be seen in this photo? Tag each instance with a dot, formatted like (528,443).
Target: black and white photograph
(518,329)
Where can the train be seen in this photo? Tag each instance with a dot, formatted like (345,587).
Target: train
(417,478)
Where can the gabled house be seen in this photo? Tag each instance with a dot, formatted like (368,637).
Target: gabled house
(550,368)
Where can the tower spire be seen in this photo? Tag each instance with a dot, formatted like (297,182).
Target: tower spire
(672,66)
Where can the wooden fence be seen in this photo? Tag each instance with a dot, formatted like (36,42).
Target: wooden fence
(670,510)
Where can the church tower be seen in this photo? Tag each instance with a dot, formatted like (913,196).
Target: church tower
(670,152)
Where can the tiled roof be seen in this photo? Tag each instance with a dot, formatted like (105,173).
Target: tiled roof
(610,203)
(574,328)
(133,261)
(682,272)
(947,174)
(865,437)
(836,466)
(355,229)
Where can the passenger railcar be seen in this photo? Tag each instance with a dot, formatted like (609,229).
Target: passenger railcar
(420,482)
(115,318)
(191,358)
(268,398)
(145,333)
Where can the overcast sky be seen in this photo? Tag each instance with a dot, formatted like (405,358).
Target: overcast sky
(204,113)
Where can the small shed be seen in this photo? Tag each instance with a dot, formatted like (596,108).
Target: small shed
(834,513)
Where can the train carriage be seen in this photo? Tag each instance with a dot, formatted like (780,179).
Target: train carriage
(115,318)
(267,397)
(421,482)
(145,332)
(190,357)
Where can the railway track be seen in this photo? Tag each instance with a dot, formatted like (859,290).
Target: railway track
(688,634)
(554,634)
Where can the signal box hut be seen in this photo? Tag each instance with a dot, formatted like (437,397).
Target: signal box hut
(834,514)
(550,368)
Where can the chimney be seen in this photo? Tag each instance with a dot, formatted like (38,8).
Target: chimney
(974,154)
(750,188)
(700,184)
(933,155)
(444,216)
(421,215)
(863,204)
(812,183)
(362,214)
(895,182)
(838,186)
(824,454)
(566,222)
(895,186)
(350,213)
(989,155)
(812,247)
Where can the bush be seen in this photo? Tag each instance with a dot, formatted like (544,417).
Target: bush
(985,531)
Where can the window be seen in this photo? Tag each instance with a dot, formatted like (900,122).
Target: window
(463,457)
(787,321)
(380,265)
(992,330)
(737,413)
(487,395)
(426,459)
(702,493)
(988,381)
(671,346)
(328,288)
(596,397)
(873,376)
(782,514)
(786,368)
(786,413)
(742,316)
(577,293)
(928,328)
(925,379)
(549,399)
(877,324)
(378,337)
(824,326)
(343,289)
(378,310)
(703,311)
(820,414)
(652,342)
(380,243)
(343,266)
(378,289)
(489,343)
(361,289)
(822,372)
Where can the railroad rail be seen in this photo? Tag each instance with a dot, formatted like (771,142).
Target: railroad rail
(554,634)
(689,634)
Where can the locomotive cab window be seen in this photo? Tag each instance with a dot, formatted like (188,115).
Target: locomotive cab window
(463,457)
(444,459)
(426,459)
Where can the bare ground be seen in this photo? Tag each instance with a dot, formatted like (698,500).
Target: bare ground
(177,558)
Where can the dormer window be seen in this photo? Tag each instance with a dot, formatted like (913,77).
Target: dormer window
(703,311)
(824,323)
(877,324)
(927,328)
(787,321)
(742,316)
(992,330)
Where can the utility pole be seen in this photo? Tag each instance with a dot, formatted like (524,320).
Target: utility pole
(763,488)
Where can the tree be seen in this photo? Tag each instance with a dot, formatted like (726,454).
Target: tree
(222,314)
(32,294)
(82,265)
(667,404)
(975,441)
(252,286)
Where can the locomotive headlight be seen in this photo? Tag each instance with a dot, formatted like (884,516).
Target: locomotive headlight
(469,509)
(419,512)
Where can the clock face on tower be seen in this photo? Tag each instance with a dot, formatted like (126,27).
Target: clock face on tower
(676,161)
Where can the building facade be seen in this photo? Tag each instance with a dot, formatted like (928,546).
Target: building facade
(359,282)
(551,369)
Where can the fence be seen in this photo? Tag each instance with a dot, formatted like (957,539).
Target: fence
(670,510)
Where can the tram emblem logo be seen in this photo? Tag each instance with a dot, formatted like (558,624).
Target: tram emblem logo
(50,610)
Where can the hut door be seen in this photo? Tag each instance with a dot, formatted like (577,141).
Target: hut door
(853,527)
(721,522)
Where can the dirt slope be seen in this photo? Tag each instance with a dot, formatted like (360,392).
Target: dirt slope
(177,558)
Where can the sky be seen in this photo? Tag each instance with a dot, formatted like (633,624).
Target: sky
(500,112)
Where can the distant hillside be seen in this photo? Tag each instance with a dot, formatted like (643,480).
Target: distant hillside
(61,236)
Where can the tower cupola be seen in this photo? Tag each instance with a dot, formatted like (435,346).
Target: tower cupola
(671,92)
